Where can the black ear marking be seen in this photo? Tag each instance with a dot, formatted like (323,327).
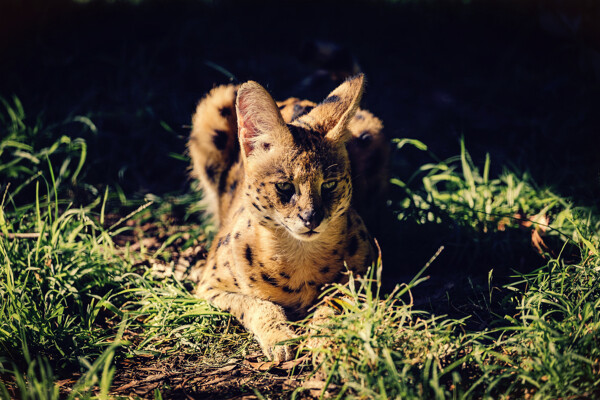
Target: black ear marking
(225,111)
(220,139)
(331,99)
(300,110)
(332,115)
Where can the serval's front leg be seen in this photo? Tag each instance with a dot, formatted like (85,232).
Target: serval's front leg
(266,320)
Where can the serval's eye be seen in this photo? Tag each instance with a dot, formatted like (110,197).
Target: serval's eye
(285,187)
(328,186)
(285,190)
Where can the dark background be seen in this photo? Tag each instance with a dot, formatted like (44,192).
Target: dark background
(518,79)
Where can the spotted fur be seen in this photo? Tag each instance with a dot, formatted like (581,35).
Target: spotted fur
(277,179)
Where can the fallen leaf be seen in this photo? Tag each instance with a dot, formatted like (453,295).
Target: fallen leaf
(66,382)
(156,377)
(292,363)
(260,365)
(254,355)
(150,369)
(226,368)
(127,386)
(146,388)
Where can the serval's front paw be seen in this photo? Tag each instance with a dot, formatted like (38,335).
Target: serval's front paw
(319,339)
(270,343)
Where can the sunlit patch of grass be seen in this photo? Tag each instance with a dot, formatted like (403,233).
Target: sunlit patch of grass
(55,296)
(171,321)
(380,346)
(456,191)
(58,264)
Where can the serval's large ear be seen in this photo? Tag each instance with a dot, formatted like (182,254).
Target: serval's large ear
(331,117)
(260,124)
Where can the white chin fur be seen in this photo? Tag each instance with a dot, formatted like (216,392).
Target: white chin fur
(301,233)
(303,236)
(306,238)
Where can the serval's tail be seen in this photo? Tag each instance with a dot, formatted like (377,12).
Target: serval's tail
(214,146)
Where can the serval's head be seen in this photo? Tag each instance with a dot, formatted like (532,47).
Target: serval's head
(297,174)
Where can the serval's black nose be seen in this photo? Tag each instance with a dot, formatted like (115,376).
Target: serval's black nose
(311,218)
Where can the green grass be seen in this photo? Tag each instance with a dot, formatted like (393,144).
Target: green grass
(382,347)
(75,304)
(67,293)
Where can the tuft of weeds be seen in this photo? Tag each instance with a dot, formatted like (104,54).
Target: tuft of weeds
(553,347)
(57,283)
(379,346)
(491,222)
(455,191)
(172,321)
(39,382)
(28,149)
(55,298)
